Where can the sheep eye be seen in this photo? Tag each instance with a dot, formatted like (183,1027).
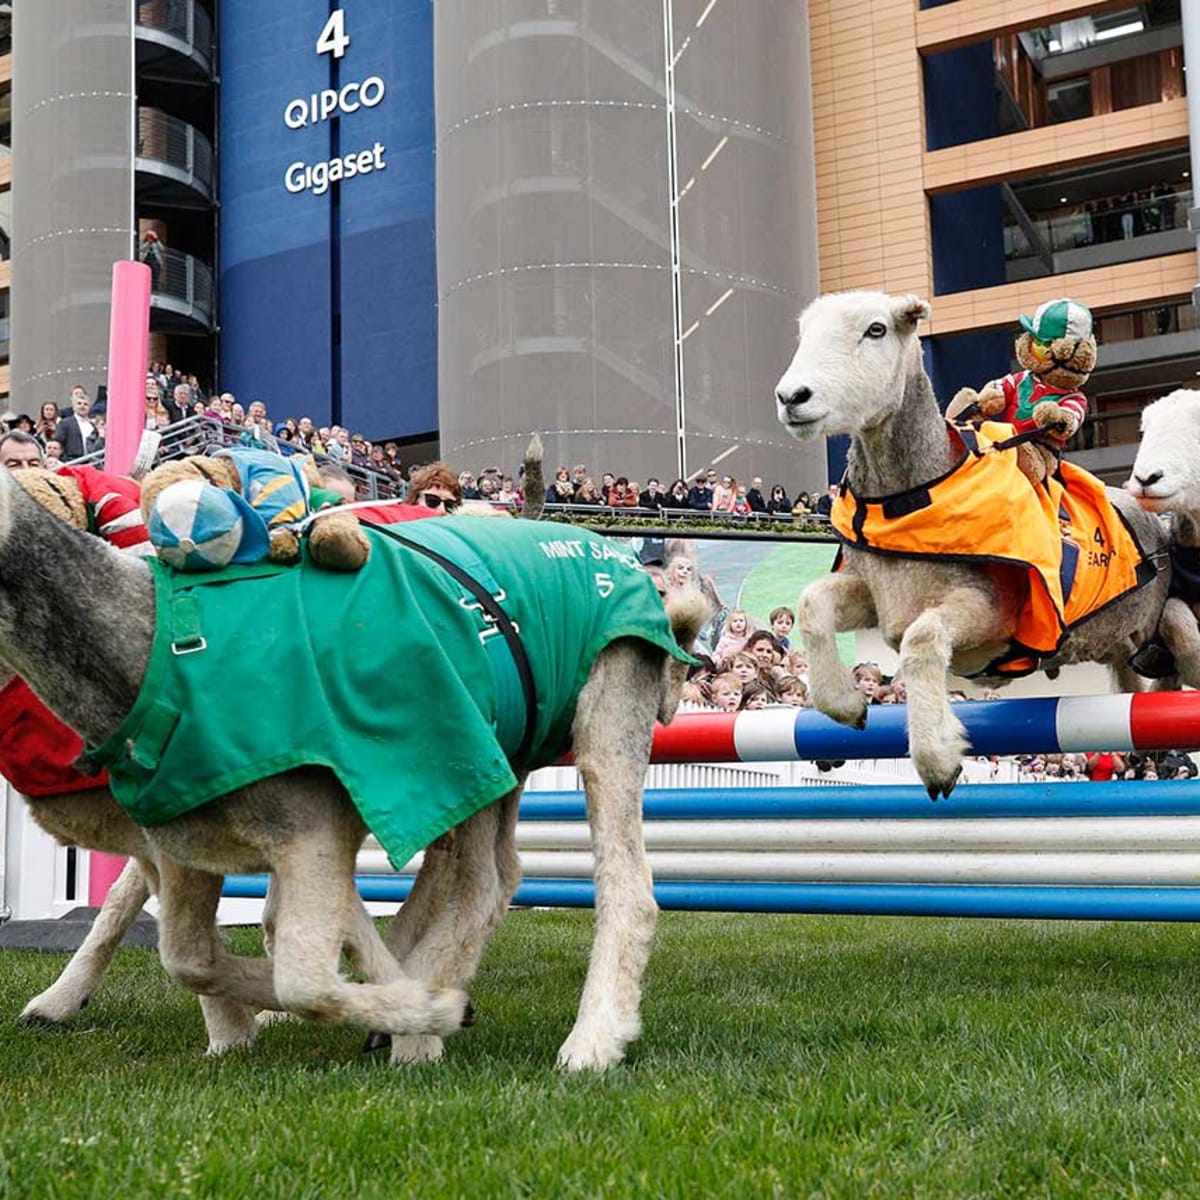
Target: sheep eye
(876,329)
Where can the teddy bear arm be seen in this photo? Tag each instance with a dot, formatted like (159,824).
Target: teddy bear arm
(337,542)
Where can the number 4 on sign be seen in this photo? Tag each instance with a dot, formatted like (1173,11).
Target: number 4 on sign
(334,39)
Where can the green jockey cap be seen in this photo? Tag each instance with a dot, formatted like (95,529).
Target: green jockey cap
(1059,319)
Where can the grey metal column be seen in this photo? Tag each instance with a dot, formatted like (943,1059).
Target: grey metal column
(1190,11)
(73,91)
(590,273)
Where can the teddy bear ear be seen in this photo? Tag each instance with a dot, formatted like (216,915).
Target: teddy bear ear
(908,310)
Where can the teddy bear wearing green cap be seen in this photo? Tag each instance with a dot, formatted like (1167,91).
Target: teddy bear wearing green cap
(1057,350)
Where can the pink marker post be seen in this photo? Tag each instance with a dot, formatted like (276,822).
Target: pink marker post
(128,352)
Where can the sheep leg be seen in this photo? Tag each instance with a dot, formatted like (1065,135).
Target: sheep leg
(71,991)
(485,873)
(318,909)
(190,946)
(613,726)
(1180,631)
(833,605)
(936,738)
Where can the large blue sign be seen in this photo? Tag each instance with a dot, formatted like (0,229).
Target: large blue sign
(327,254)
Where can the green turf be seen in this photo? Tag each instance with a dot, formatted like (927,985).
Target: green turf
(793,1057)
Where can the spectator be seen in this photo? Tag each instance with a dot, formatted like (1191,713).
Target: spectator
(734,636)
(757,695)
(179,405)
(1103,765)
(725,693)
(803,505)
(722,495)
(677,496)
(793,691)
(76,432)
(782,619)
(755,497)
(739,506)
(507,493)
(767,652)
(436,486)
(621,495)
(334,448)
(487,489)
(19,450)
(868,679)
(653,497)
(779,502)
(579,476)
(744,665)
(150,252)
(561,489)
(825,503)
(23,422)
(47,422)
(466,481)
(53,454)
(588,494)
(284,438)
(700,498)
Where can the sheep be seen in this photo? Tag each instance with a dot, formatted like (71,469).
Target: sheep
(857,371)
(1166,479)
(301,824)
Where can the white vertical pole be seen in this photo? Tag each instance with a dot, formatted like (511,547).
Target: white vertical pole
(673,213)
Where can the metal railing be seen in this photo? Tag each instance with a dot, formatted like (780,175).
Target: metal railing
(169,140)
(1104,221)
(182,19)
(182,277)
(204,435)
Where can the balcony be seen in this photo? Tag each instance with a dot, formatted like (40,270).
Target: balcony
(1099,235)
(174,162)
(182,296)
(175,39)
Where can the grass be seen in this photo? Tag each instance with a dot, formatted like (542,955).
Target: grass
(794,1057)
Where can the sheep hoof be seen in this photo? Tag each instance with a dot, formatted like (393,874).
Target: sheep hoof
(948,787)
(469,1016)
(861,723)
(376,1042)
(933,791)
(35,1020)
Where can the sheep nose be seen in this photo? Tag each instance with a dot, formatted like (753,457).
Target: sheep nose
(800,395)
(1147,480)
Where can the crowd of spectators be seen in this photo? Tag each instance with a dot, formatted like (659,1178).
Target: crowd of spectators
(709,493)
(759,668)
(78,431)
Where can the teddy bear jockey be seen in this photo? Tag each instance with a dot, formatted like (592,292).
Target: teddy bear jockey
(244,505)
(1057,350)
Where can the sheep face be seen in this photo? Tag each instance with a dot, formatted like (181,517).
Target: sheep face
(849,368)
(1166,472)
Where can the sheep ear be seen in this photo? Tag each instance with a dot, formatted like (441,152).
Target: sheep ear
(908,310)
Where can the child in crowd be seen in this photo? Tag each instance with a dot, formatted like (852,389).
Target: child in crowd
(725,692)
(745,666)
(782,620)
(733,637)
(756,695)
(793,691)
(868,679)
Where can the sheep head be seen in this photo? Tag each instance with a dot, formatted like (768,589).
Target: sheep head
(848,372)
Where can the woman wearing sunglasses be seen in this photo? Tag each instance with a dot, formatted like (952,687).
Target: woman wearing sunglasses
(435,486)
